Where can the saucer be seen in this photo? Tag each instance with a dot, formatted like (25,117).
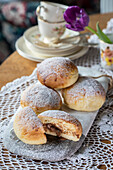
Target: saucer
(32,36)
(24,51)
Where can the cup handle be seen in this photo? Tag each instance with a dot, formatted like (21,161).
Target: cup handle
(39,9)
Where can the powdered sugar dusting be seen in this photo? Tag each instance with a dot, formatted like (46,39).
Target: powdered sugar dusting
(39,95)
(54,150)
(86,87)
(59,66)
(58,114)
(27,118)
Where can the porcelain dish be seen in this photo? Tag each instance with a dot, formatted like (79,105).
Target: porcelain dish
(24,51)
(47,9)
(32,36)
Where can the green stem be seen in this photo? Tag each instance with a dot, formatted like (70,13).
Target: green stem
(102,36)
(92,30)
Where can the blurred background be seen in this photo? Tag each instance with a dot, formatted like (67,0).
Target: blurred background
(16,16)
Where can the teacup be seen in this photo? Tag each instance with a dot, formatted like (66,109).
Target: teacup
(51,30)
(106,55)
(51,11)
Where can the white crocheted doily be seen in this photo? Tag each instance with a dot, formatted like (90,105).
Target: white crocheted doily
(97,149)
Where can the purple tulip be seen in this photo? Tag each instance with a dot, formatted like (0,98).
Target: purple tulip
(76,18)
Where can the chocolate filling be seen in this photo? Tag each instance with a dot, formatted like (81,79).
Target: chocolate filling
(52,128)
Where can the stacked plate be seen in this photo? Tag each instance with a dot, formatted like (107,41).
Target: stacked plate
(32,45)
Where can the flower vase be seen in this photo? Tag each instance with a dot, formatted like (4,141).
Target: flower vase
(106,54)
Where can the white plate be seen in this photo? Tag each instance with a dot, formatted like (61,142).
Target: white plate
(32,35)
(23,50)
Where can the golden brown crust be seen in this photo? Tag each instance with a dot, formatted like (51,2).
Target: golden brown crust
(28,127)
(69,127)
(57,72)
(86,94)
(41,98)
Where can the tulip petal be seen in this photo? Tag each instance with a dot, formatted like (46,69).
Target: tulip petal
(70,13)
(85,18)
(76,18)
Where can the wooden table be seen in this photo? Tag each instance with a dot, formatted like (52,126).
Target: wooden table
(16,66)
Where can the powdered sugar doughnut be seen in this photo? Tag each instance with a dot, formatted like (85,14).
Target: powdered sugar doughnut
(28,127)
(57,72)
(62,124)
(41,98)
(86,94)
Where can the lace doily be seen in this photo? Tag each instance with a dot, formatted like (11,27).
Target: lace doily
(97,149)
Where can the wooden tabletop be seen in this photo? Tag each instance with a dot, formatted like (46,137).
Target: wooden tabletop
(16,66)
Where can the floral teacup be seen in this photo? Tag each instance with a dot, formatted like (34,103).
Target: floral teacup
(51,30)
(51,11)
(106,53)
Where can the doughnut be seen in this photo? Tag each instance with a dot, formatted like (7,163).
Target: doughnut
(41,98)
(57,72)
(87,94)
(28,127)
(61,124)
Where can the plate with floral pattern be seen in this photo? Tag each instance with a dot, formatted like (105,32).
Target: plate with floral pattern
(35,41)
